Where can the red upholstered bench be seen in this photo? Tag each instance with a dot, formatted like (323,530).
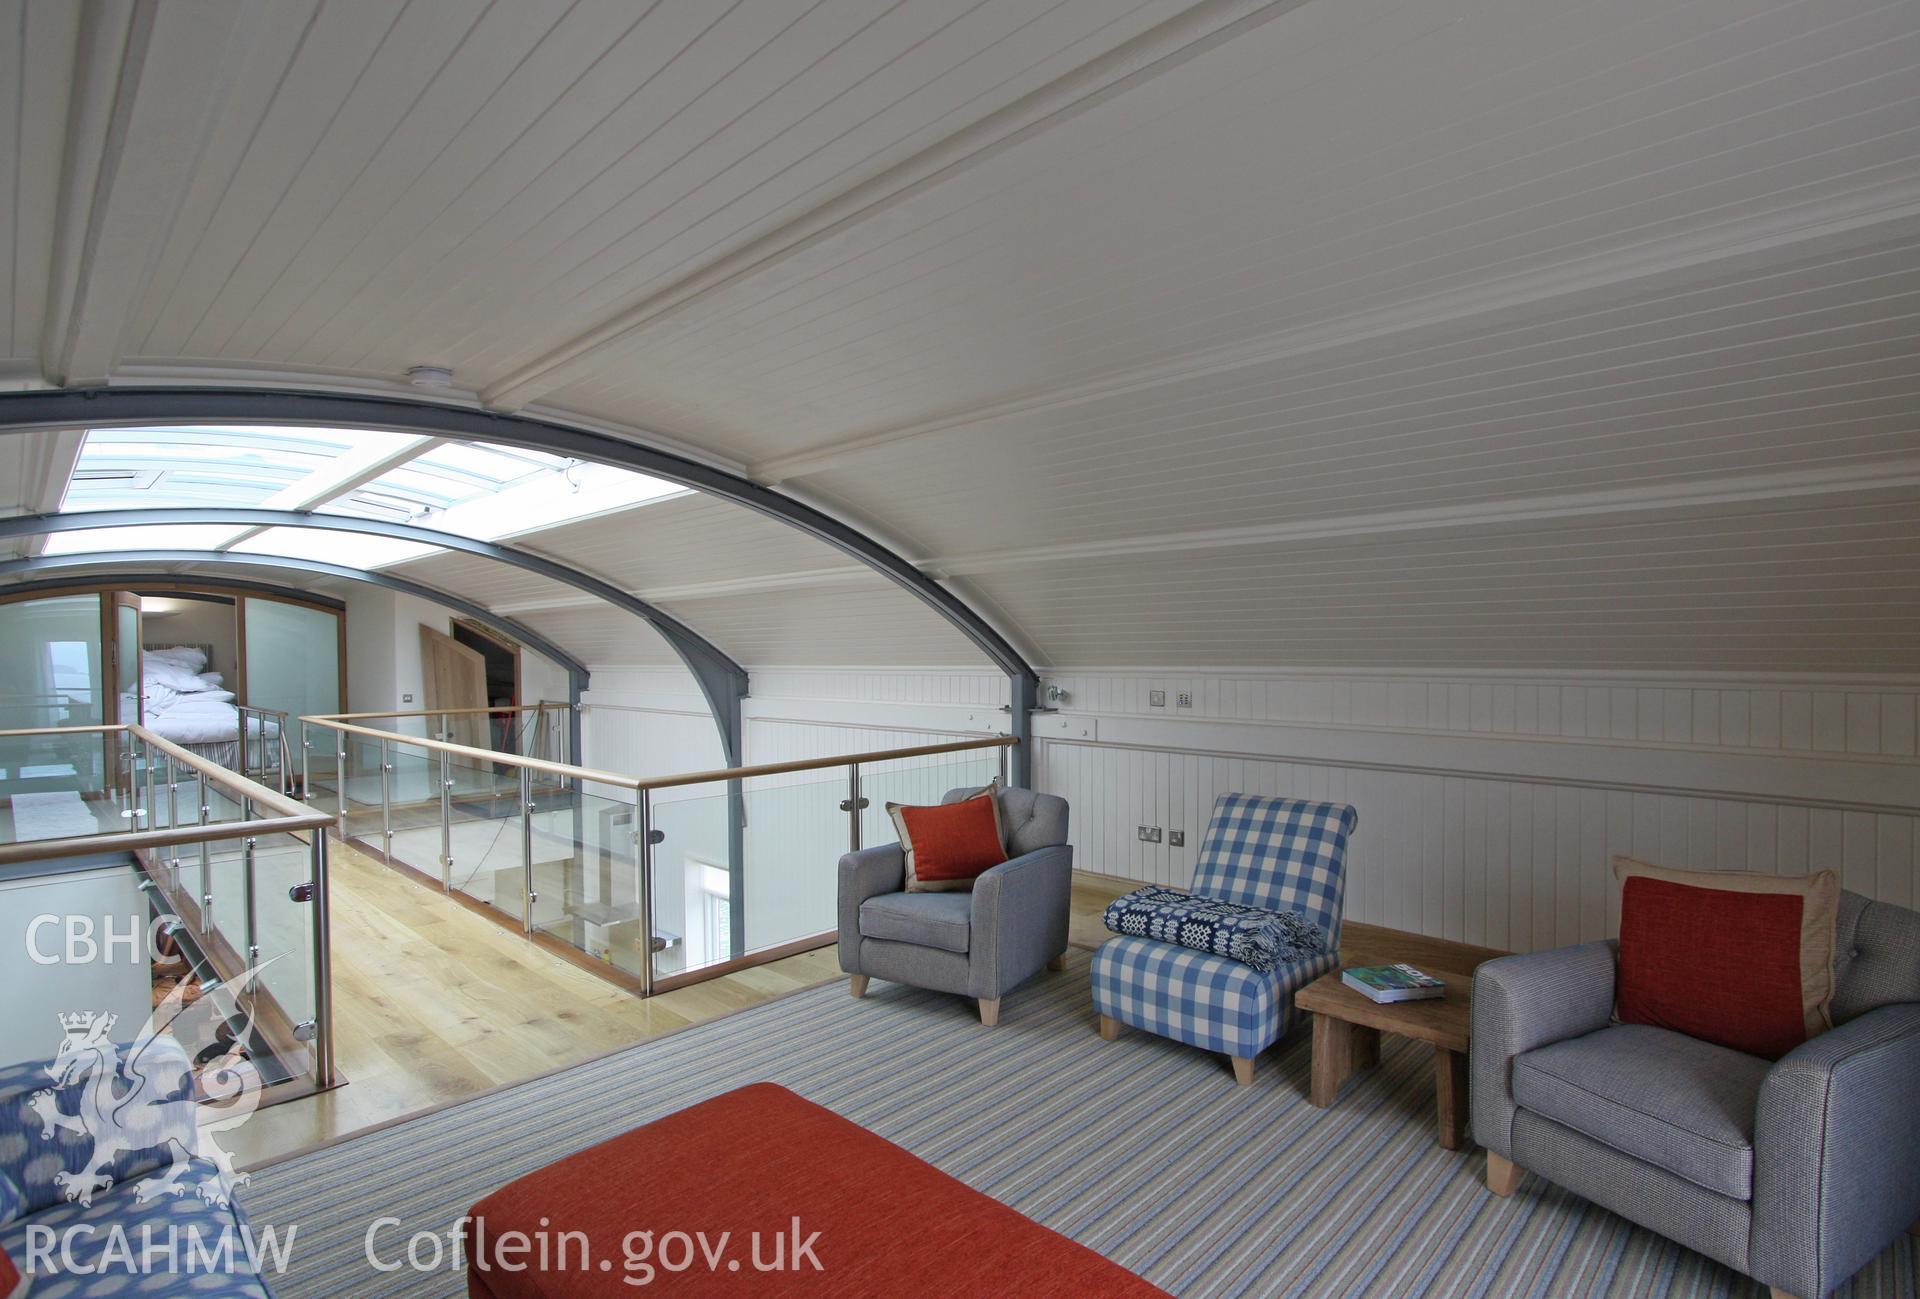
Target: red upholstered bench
(754,1161)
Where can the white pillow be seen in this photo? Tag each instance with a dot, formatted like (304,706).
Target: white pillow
(191,657)
(167,672)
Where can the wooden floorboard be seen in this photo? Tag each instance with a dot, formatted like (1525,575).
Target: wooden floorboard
(433,1003)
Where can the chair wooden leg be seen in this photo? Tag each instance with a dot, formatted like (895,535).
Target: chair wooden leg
(1503,1175)
(1110,1027)
(989,1011)
(1058,963)
(1243,1070)
(857,984)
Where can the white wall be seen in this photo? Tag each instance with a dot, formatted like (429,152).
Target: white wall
(1490,803)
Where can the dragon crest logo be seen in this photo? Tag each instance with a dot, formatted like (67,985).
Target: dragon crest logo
(111,1106)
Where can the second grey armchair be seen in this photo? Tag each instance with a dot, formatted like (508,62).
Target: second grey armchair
(981,944)
(1795,1171)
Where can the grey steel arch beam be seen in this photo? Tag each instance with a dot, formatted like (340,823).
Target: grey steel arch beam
(107,581)
(723,681)
(122,559)
(71,407)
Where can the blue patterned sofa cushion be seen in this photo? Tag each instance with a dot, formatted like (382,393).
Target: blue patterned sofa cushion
(1212,1002)
(109,1255)
(1254,936)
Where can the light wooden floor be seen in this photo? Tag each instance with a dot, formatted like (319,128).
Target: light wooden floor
(433,1003)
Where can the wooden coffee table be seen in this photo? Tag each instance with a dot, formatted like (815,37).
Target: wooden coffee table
(1346,1037)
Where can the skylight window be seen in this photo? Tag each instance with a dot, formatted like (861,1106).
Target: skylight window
(350,548)
(488,492)
(473,489)
(170,536)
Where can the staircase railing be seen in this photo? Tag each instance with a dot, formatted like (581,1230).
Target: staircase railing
(652,882)
(239,867)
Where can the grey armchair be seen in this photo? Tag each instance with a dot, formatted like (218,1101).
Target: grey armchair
(981,944)
(1795,1171)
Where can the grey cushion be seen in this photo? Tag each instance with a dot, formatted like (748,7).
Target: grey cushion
(942,920)
(1715,1225)
(1029,820)
(1876,956)
(1673,1101)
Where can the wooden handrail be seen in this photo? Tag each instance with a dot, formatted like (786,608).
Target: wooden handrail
(333,722)
(131,840)
(542,706)
(289,814)
(816,764)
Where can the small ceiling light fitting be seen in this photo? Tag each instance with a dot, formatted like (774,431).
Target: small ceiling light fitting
(430,376)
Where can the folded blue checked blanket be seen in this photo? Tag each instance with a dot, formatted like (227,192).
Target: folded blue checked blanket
(1254,936)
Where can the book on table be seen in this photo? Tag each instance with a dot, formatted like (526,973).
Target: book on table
(1393,983)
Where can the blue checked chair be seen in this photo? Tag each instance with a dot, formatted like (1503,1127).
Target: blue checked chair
(1278,853)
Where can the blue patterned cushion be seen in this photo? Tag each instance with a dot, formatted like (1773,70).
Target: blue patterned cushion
(39,1162)
(1253,936)
(1284,854)
(1212,1002)
(187,1215)
(11,1200)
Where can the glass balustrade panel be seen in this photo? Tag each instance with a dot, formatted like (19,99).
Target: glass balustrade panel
(485,833)
(917,782)
(57,788)
(693,883)
(587,876)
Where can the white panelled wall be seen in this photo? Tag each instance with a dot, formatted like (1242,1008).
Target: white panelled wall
(1489,804)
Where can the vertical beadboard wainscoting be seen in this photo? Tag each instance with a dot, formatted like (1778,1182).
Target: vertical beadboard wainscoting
(1490,805)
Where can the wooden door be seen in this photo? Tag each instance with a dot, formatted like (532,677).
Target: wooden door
(456,678)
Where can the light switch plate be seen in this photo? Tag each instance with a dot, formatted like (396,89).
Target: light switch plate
(1176,838)
(1156,699)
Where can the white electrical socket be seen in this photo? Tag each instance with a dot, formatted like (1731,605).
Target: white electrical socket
(1184,699)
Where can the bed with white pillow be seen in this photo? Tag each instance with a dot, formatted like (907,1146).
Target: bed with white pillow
(182,702)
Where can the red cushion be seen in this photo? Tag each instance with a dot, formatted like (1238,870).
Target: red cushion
(754,1160)
(11,1284)
(1714,964)
(955,841)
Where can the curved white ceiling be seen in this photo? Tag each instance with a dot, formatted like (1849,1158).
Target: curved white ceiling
(1495,333)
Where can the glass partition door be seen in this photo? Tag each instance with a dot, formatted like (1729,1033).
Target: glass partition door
(291,664)
(126,657)
(52,673)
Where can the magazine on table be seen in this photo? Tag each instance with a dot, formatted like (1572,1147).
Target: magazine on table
(1393,983)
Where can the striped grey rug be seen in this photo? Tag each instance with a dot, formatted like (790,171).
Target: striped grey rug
(1139,1148)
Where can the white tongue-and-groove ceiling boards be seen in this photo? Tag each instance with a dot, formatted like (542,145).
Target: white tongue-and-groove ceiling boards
(1496,334)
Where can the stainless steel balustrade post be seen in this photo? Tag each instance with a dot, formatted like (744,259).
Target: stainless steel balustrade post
(247,883)
(446,821)
(644,838)
(1006,753)
(173,819)
(526,848)
(853,805)
(340,780)
(386,798)
(206,856)
(153,796)
(322,960)
(306,765)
